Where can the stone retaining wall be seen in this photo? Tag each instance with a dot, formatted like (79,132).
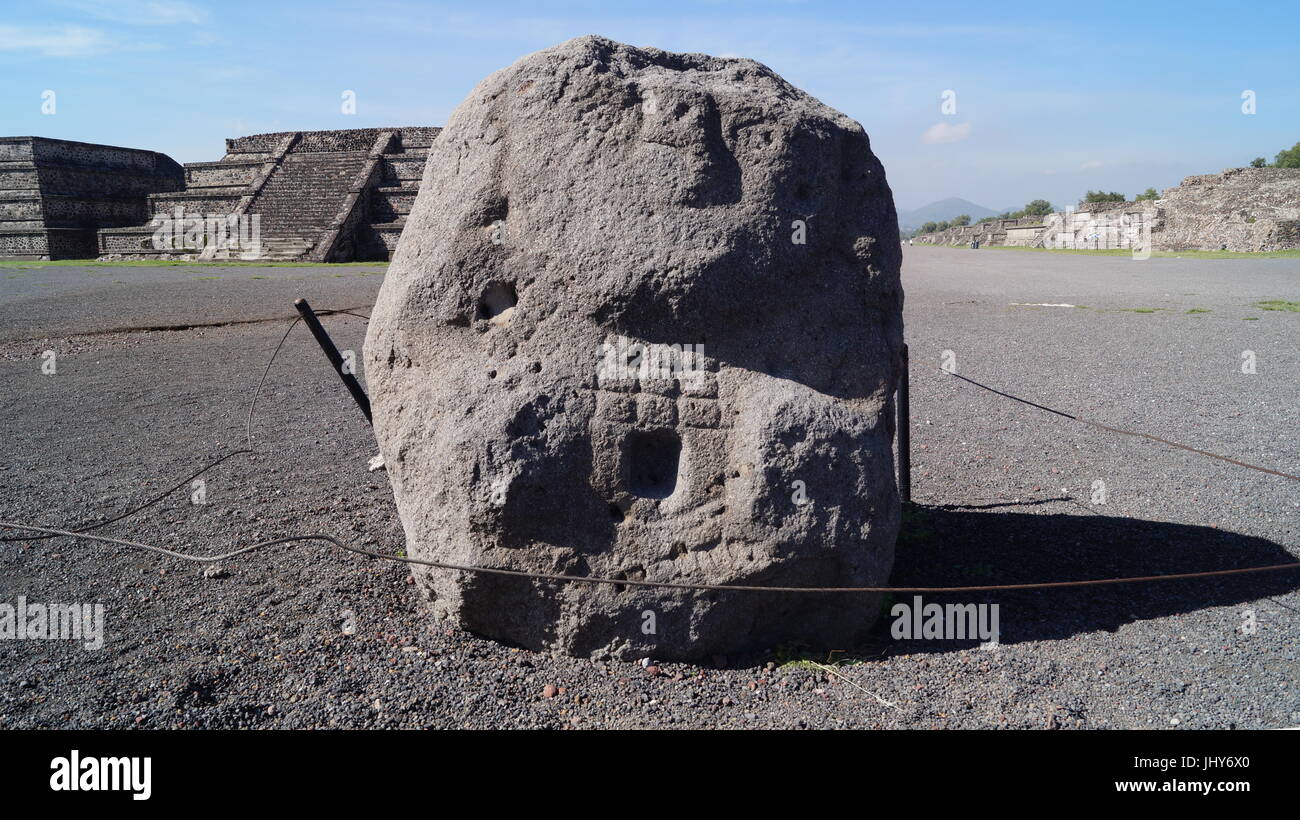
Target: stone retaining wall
(352,139)
(55,194)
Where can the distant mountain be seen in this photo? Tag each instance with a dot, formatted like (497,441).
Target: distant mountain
(942,211)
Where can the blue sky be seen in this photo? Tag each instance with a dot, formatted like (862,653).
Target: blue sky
(1052,99)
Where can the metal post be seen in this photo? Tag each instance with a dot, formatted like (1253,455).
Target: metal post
(332,353)
(904,433)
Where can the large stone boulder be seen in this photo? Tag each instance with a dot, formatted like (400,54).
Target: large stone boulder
(644,323)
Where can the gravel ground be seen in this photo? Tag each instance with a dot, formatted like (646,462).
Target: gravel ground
(307,636)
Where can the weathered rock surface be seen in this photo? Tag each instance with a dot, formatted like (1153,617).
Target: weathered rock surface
(584,209)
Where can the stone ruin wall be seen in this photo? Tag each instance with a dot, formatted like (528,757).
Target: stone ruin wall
(351,139)
(993,232)
(55,194)
(1240,209)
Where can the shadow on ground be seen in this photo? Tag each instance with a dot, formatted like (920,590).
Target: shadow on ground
(968,546)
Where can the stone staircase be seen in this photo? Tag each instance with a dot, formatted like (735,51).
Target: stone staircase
(391,199)
(322,196)
(301,199)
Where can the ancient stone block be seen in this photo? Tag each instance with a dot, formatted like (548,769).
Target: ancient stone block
(668,199)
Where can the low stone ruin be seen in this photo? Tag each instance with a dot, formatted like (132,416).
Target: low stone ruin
(1242,209)
(644,324)
(54,194)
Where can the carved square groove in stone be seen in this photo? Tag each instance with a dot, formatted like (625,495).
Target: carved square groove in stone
(652,460)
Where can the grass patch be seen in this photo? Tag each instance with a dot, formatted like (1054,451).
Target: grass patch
(794,657)
(1088,251)
(1140,310)
(1279,304)
(1199,310)
(1190,254)
(798,656)
(1251,319)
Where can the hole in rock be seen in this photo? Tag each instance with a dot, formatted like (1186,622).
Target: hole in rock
(652,463)
(497,302)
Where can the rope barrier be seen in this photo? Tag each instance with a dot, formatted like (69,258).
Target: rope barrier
(1109,429)
(591,579)
(82,532)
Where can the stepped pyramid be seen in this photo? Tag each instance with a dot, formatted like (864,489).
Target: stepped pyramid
(54,194)
(319,196)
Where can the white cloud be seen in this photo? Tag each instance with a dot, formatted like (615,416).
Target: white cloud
(944,132)
(1090,165)
(143,12)
(54,41)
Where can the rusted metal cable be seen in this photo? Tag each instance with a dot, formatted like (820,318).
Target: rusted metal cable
(248,424)
(1134,433)
(591,579)
(138,508)
(248,432)
(48,532)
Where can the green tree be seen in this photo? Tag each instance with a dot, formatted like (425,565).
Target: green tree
(1095,197)
(1039,207)
(1259,162)
(1149,193)
(1289,158)
(960,221)
(930,227)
